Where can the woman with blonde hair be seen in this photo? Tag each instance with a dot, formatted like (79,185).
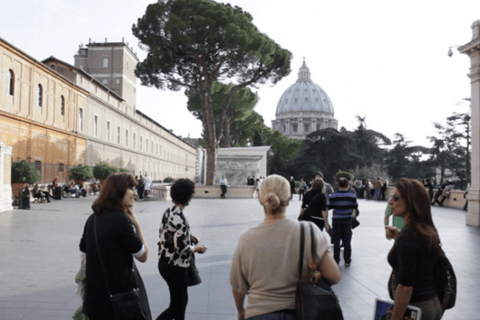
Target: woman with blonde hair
(275,242)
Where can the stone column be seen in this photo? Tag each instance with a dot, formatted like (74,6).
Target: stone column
(300,127)
(472,49)
(5,171)
(287,125)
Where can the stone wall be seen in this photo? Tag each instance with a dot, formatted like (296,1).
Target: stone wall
(5,171)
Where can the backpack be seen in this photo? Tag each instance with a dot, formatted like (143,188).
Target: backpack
(445,281)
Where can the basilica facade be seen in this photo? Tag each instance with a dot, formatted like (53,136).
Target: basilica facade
(304,108)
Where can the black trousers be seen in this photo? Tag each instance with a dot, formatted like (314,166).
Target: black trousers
(342,230)
(224,190)
(176,278)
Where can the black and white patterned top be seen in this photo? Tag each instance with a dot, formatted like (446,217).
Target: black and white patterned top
(175,240)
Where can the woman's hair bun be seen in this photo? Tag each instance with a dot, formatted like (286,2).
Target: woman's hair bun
(272,201)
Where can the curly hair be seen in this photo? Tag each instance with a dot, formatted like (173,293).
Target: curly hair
(182,191)
(113,191)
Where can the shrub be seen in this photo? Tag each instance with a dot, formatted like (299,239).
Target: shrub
(102,170)
(25,172)
(123,170)
(81,172)
(344,174)
(168,180)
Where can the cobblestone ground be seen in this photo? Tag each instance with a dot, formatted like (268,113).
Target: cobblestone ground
(40,257)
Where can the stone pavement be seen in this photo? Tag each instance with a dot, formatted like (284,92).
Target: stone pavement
(40,257)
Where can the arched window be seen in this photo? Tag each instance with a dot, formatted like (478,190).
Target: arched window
(294,127)
(11,82)
(39,96)
(62,106)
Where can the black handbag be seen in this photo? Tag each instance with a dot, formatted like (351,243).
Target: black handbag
(126,305)
(314,300)
(192,271)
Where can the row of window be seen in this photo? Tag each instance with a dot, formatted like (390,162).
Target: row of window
(158,150)
(39,91)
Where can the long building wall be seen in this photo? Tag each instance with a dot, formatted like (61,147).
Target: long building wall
(38,110)
(81,121)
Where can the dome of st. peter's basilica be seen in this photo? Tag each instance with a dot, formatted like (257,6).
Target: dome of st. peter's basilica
(303,108)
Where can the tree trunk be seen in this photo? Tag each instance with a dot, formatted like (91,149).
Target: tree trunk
(210,138)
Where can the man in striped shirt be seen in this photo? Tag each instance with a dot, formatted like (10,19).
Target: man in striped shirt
(345,208)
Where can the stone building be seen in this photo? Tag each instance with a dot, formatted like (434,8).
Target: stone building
(60,115)
(303,108)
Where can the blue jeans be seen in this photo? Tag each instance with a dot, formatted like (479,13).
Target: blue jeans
(277,315)
(342,230)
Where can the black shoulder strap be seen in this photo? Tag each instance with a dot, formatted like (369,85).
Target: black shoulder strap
(99,255)
(314,243)
(302,248)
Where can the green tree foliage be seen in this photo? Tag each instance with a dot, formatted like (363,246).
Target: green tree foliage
(192,43)
(366,143)
(24,172)
(239,121)
(371,172)
(283,151)
(404,160)
(343,174)
(81,172)
(102,170)
(451,149)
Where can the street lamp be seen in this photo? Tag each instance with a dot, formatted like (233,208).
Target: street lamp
(450,52)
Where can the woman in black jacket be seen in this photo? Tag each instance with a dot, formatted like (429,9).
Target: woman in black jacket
(120,238)
(314,205)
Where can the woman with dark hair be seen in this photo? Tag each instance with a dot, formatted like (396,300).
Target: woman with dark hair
(120,238)
(415,251)
(176,249)
(314,205)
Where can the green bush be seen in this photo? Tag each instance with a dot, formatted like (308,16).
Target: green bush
(123,170)
(168,180)
(102,170)
(81,172)
(344,174)
(25,172)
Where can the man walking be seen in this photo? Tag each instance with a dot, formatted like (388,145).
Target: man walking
(147,185)
(223,185)
(345,208)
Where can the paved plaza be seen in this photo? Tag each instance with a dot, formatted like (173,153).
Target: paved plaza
(40,257)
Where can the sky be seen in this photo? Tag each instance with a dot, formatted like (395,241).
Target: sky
(383,60)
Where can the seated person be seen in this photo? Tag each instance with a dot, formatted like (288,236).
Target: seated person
(40,194)
(75,191)
(95,187)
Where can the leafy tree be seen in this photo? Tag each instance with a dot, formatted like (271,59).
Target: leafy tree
(23,171)
(102,170)
(343,174)
(451,148)
(192,43)
(366,143)
(81,172)
(371,172)
(406,161)
(283,151)
(238,117)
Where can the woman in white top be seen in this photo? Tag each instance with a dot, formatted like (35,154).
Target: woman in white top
(265,264)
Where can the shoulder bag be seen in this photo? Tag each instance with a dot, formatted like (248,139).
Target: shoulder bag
(314,300)
(445,282)
(192,272)
(126,305)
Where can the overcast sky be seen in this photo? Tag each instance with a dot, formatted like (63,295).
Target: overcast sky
(383,60)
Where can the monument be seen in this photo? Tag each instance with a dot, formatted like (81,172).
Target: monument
(5,172)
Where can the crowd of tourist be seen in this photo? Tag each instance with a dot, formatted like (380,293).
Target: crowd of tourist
(109,246)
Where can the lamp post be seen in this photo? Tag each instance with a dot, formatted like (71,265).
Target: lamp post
(472,49)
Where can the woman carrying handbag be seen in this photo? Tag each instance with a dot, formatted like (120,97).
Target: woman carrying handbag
(265,265)
(112,236)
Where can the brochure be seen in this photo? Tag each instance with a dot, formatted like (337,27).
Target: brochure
(383,309)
